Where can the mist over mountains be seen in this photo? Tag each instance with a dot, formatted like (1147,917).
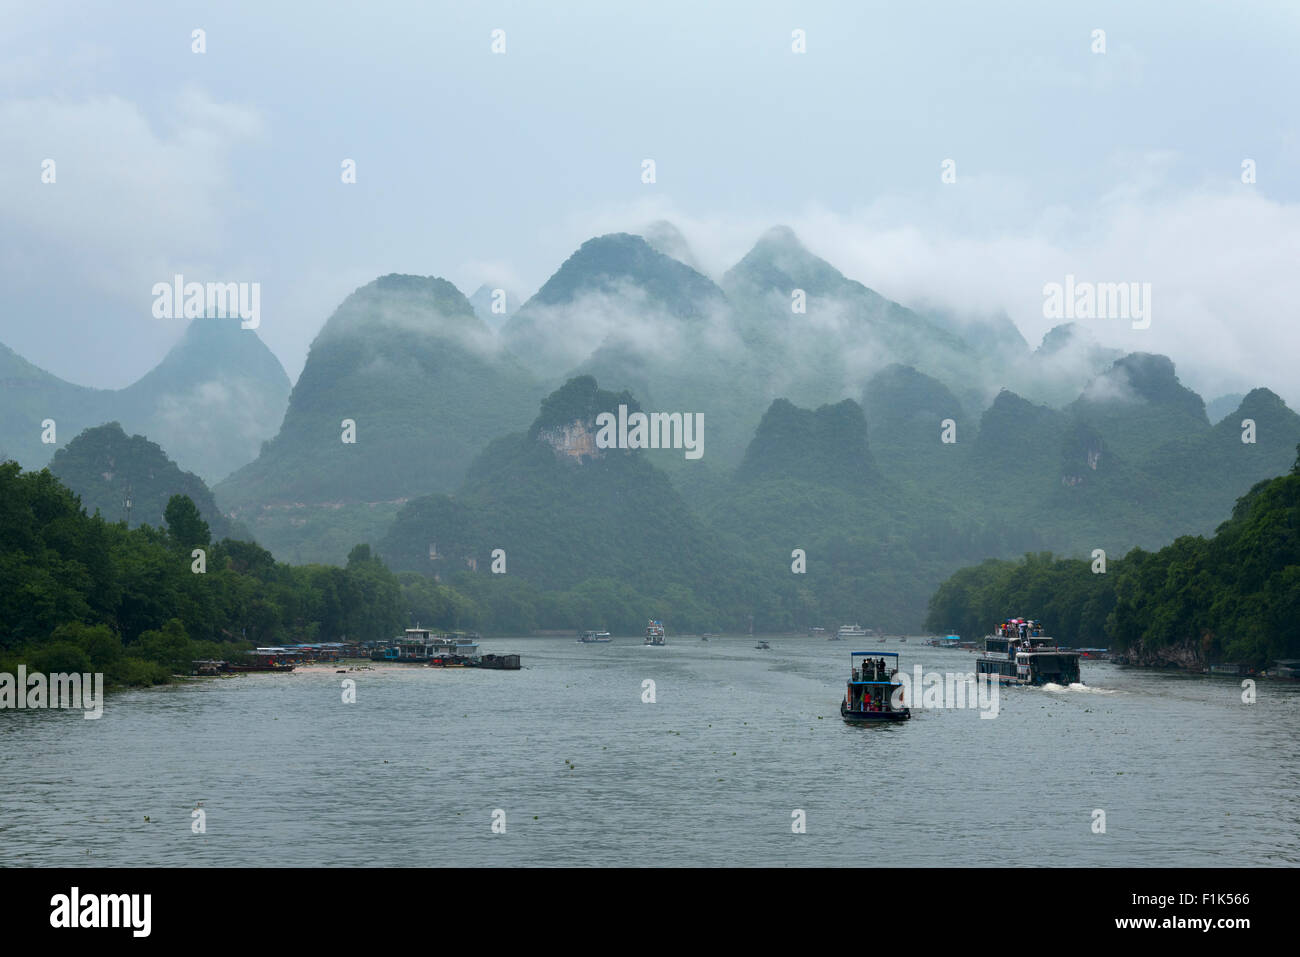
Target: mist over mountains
(890,444)
(211,402)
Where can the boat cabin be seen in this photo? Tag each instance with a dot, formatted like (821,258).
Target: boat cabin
(1016,655)
(871,688)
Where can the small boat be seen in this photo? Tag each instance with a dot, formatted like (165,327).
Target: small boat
(259,666)
(594,637)
(654,633)
(873,696)
(447,661)
(763,646)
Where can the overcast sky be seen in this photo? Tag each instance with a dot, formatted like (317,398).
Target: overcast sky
(1122,166)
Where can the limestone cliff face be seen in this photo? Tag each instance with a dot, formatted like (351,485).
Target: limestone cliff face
(1082,452)
(1188,654)
(574,440)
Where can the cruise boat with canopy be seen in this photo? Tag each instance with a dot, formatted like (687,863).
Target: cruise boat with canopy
(869,697)
(1019,653)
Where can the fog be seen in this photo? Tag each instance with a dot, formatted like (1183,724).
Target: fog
(225,166)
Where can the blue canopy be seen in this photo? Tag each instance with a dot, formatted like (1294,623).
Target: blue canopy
(873,654)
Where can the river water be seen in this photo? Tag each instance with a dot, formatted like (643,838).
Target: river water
(583,771)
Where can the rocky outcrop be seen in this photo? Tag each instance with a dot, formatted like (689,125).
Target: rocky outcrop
(1188,655)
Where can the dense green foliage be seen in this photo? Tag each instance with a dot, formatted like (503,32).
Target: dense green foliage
(1233,597)
(81,592)
(601,539)
(105,468)
(1062,592)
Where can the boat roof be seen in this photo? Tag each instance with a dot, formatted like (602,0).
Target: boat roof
(891,684)
(874,654)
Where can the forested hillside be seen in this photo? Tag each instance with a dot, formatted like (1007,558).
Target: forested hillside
(1232,597)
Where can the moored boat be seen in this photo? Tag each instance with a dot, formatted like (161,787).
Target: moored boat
(594,637)
(227,667)
(497,662)
(419,646)
(870,695)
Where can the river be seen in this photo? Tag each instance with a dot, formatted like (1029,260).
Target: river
(582,771)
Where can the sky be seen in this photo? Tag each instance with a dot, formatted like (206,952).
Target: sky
(1115,166)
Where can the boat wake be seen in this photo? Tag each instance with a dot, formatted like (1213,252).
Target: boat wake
(1077,686)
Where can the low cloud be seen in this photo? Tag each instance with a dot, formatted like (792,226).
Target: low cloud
(1220,259)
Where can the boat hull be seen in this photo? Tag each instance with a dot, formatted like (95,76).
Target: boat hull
(873,717)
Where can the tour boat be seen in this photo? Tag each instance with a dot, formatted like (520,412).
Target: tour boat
(871,690)
(1018,653)
(593,637)
(654,632)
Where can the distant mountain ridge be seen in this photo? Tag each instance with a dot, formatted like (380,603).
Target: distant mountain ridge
(886,441)
(211,401)
(402,387)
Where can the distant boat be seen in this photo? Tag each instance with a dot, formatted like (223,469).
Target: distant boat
(594,637)
(763,646)
(1286,668)
(849,631)
(654,633)
(1230,668)
(869,697)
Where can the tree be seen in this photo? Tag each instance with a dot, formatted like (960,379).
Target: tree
(185,523)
